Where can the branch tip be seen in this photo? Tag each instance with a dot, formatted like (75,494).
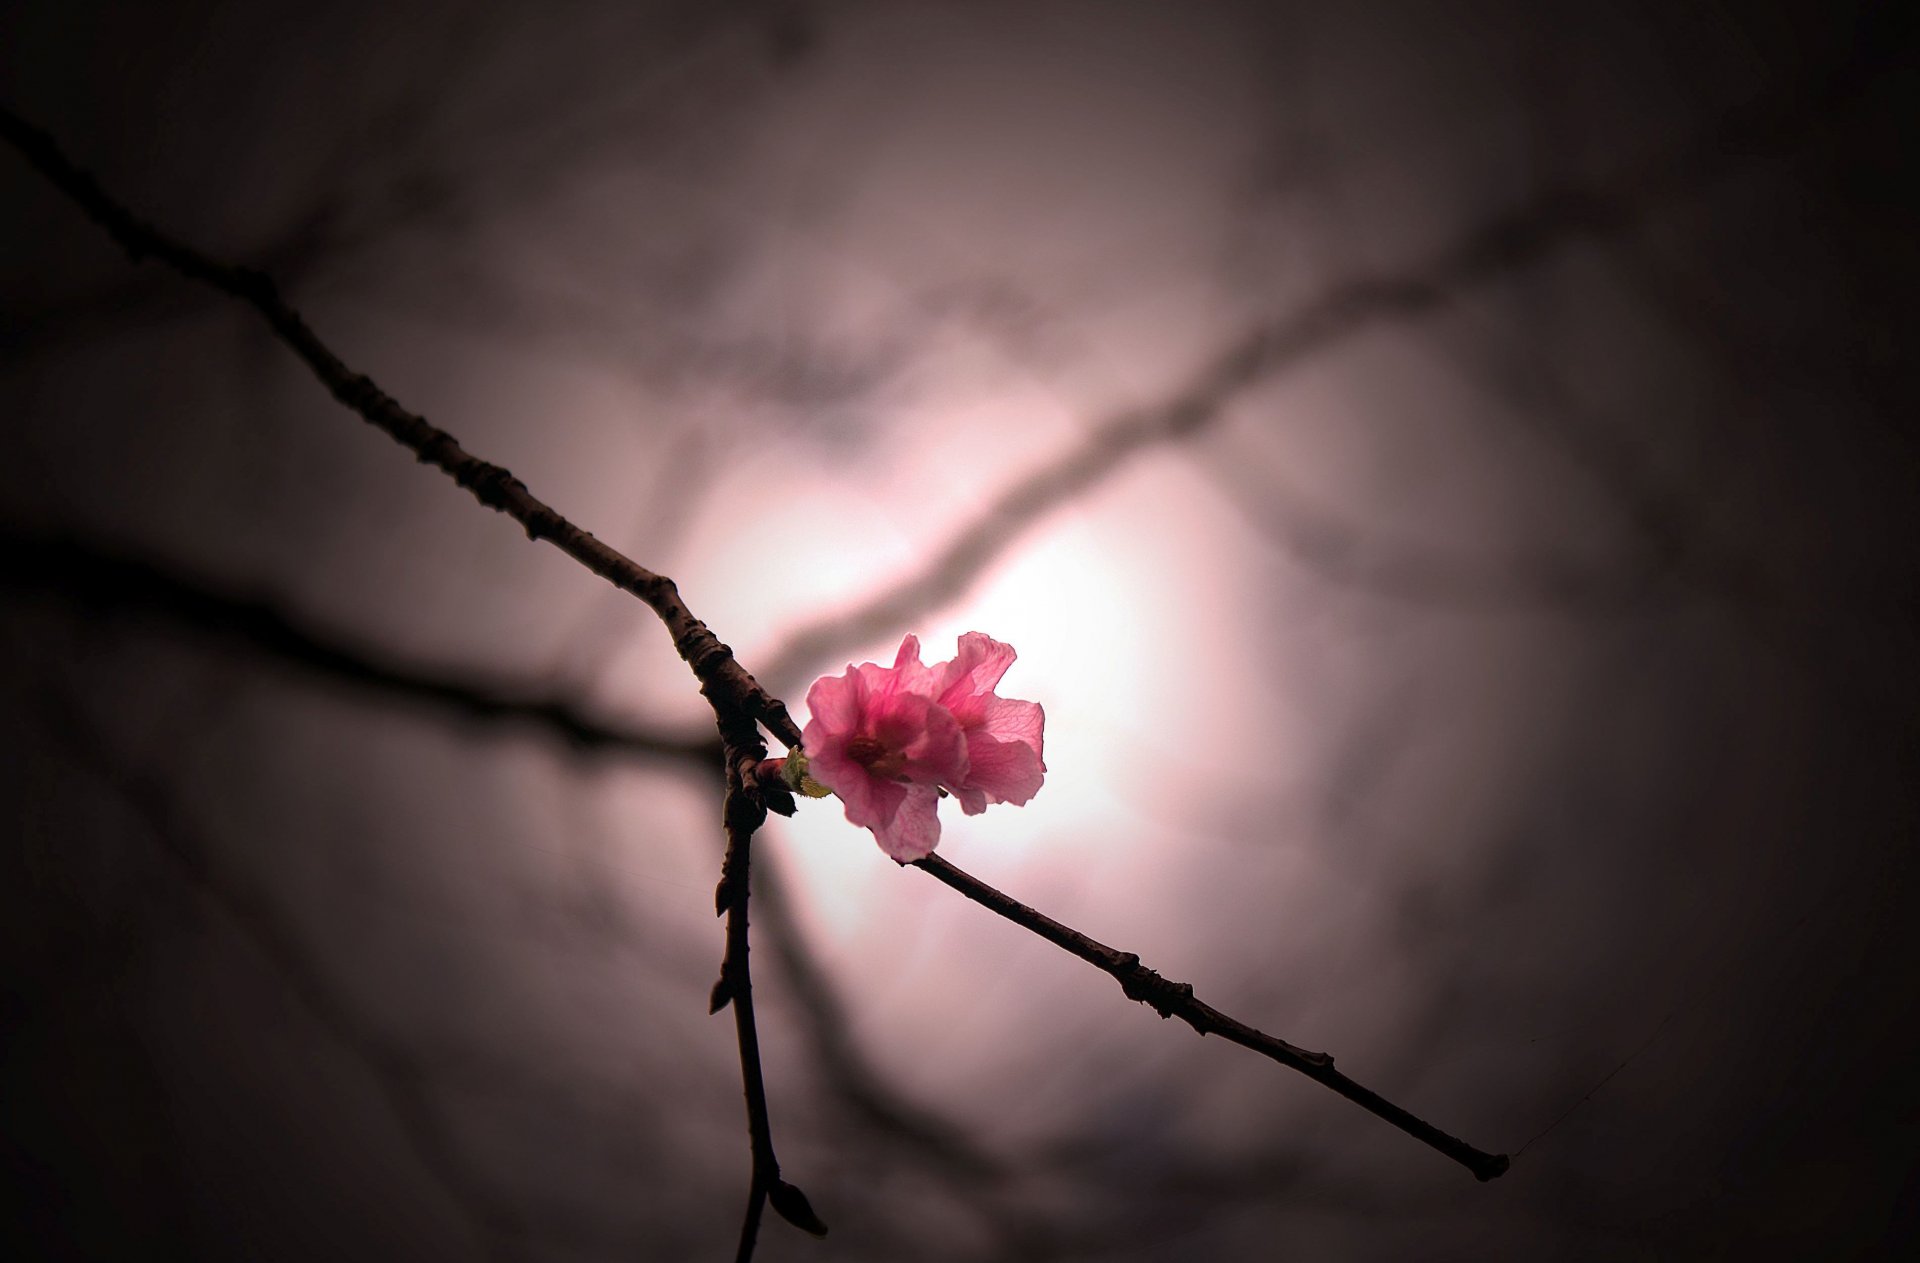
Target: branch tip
(792,1205)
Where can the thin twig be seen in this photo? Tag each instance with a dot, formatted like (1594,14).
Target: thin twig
(745,811)
(1176,999)
(743,816)
(1604,1081)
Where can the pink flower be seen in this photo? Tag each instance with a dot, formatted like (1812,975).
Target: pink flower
(887,740)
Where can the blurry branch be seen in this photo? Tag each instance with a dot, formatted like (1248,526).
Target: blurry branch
(1500,246)
(1407,569)
(398,1072)
(739,704)
(102,579)
(1176,999)
(385,172)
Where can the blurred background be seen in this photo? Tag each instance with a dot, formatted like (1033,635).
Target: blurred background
(1445,469)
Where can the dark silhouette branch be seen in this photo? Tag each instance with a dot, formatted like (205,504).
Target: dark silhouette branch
(1176,999)
(745,810)
(106,579)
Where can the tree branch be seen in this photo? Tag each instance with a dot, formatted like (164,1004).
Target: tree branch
(745,810)
(100,577)
(1176,999)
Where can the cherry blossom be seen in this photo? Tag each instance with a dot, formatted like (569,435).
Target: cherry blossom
(888,740)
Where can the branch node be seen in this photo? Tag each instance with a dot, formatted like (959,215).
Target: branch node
(1164,995)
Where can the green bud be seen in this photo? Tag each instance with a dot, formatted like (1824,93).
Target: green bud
(794,772)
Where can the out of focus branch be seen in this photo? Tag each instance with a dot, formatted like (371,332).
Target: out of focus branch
(1505,244)
(1176,999)
(726,684)
(101,578)
(397,1071)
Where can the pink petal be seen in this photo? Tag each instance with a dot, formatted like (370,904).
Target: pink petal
(907,674)
(833,706)
(1008,719)
(1001,771)
(926,734)
(974,671)
(870,800)
(909,652)
(914,829)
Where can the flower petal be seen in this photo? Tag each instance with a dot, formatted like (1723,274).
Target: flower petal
(914,829)
(972,673)
(834,704)
(1008,719)
(907,675)
(1000,772)
(870,800)
(888,739)
(909,652)
(927,735)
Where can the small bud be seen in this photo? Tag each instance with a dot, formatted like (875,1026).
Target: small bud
(721,996)
(769,778)
(794,772)
(791,1205)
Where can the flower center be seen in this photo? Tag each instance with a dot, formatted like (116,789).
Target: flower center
(872,754)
